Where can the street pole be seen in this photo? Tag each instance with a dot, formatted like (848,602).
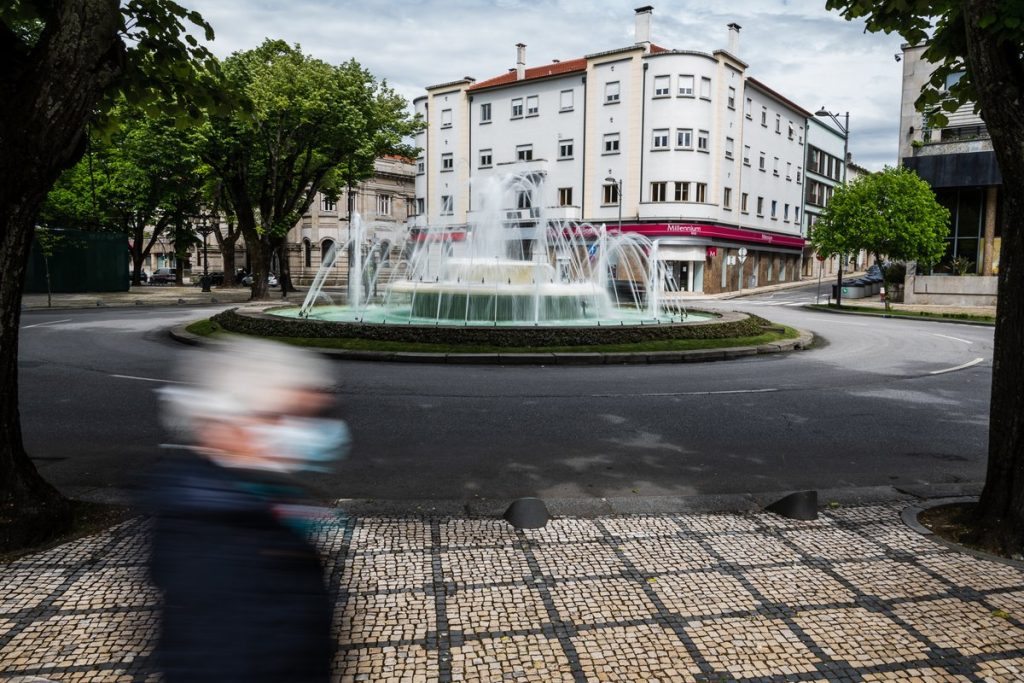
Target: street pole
(620,206)
(205,228)
(845,129)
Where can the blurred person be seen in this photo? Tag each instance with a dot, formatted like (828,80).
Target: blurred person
(244,593)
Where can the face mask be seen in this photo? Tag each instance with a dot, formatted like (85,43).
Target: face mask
(304,444)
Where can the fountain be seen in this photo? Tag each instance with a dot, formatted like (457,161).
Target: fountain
(507,268)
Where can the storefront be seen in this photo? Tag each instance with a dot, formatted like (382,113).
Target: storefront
(696,257)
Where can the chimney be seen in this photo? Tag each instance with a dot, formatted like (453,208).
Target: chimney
(643,26)
(734,39)
(520,61)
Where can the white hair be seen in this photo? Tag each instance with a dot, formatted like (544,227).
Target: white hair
(244,376)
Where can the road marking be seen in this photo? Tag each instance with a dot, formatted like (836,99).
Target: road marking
(946,336)
(687,393)
(798,303)
(148,379)
(52,322)
(959,367)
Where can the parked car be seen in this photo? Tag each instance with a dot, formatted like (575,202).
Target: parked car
(143,276)
(271,280)
(162,276)
(216,279)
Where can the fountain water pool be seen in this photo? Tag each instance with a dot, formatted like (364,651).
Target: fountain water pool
(508,268)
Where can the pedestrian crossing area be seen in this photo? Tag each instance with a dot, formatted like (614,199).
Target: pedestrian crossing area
(773,302)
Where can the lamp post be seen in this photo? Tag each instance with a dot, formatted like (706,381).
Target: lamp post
(204,227)
(845,130)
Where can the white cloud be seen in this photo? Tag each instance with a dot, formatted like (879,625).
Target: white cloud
(811,56)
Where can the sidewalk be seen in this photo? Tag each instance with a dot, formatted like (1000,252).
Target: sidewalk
(854,596)
(154,295)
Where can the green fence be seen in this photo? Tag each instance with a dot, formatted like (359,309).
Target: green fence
(81,262)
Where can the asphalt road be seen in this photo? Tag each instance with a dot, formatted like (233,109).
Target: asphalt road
(880,402)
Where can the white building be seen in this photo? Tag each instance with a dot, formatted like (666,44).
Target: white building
(708,159)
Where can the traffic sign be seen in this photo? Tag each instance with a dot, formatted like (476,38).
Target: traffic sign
(743,254)
(820,257)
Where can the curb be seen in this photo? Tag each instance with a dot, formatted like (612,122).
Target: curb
(910,515)
(802,342)
(978,323)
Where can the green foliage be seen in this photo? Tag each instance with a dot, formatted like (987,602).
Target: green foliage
(307,126)
(164,70)
(961,265)
(941,24)
(893,213)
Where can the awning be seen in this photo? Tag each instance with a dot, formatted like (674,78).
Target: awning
(669,252)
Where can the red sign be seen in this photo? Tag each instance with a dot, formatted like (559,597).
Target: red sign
(714,231)
(820,257)
(712,252)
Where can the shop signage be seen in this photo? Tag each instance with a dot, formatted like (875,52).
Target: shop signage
(714,231)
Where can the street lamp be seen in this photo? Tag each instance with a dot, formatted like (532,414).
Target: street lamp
(618,195)
(204,228)
(845,130)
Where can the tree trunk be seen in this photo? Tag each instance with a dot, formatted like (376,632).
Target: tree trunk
(996,71)
(259,264)
(137,258)
(227,256)
(45,101)
(285,267)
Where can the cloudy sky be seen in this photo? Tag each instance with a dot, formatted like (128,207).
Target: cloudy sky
(796,47)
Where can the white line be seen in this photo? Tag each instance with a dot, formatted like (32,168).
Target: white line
(52,322)
(148,379)
(959,367)
(797,303)
(727,391)
(946,336)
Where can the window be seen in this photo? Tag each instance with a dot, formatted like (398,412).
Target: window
(728,148)
(682,191)
(517,108)
(775,167)
(524,199)
(532,105)
(660,139)
(764,116)
(611,92)
(446,118)
(421,205)
(798,174)
(727,198)
(789,170)
(684,138)
(486,158)
(815,163)
(791,130)
(775,209)
(485,112)
(565,100)
(785,212)
(748,107)
(565,149)
(524,152)
(565,196)
(328,204)
(761,163)
(307,252)
(610,193)
(731,101)
(778,124)
(611,143)
(446,205)
(447,162)
(662,86)
(383,205)
(702,140)
(760,206)
(705,88)
(421,166)
(744,197)
(702,192)
(796,214)
(658,192)
(685,86)
(746,155)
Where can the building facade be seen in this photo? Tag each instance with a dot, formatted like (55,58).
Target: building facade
(960,165)
(682,146)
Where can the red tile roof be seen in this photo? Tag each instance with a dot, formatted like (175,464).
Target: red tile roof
(554,69)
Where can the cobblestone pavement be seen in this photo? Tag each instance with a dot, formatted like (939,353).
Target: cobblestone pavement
(854,596)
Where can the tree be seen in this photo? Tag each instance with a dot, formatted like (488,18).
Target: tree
(306,127)
(134,181)
(64,63)
(983,39)
(893,213)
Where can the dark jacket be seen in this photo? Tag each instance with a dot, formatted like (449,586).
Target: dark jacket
(244,596)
